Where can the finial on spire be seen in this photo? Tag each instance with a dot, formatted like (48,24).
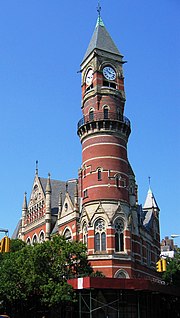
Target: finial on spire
(99,20)
(37,167)
(99,9)
(149,182)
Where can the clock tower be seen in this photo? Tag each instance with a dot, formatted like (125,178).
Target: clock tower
(106,180)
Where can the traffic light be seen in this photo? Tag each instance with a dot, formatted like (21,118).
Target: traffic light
(5,244)
(163,264)
(159,266)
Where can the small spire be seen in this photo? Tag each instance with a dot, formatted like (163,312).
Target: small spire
(25,201)
(60,205)
(48,185)
(37,167)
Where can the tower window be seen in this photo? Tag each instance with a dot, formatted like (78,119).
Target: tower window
(99,175)
(100,236)
(91,115)
(85,193)
(109,84)
(119,236)
(106,112)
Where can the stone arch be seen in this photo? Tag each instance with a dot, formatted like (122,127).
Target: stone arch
(67,233)
(121,273)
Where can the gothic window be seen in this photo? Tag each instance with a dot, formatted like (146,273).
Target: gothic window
(119,235)
(67,235)
(34,240)
(121,274)
(41,237)
(85,234)
(28,241)
(99,174)
(100,236)
(106,112)
(66,206)
(91,115)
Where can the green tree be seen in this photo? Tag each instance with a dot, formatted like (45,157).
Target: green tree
(172,274)
(34,278)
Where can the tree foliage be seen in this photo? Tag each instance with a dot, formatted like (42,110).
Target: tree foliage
(34,277)
(172,274)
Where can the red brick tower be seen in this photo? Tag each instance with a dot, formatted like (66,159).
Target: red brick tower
(106,180)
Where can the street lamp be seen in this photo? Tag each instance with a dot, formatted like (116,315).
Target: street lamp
(175,235)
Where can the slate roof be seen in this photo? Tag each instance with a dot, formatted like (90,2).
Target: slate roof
(150,201)
(57,187)
(101,40)
(16,231)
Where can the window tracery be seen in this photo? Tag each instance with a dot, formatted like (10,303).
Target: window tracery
(100,235)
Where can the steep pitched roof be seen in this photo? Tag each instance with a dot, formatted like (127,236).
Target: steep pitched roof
(101,40)
(57,187)
(150,201)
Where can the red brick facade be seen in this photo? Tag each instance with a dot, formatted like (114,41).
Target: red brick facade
(101,207)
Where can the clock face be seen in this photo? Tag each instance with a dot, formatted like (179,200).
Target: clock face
(89,77)
(109,73)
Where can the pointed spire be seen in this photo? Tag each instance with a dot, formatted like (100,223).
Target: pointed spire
(101,39)
(150,201)
(24,206)
(60,205)
(48,185)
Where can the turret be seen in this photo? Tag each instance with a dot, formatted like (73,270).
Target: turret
(24,213)
(48,208)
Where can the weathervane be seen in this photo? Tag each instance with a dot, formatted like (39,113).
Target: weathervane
(149,181)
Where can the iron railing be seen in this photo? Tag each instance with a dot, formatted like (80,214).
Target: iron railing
(91,117)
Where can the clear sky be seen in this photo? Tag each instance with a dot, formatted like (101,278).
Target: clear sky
(42,44)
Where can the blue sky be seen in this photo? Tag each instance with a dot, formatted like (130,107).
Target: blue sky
(42,44)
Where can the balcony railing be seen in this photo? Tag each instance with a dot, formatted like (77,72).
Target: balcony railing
(92,117)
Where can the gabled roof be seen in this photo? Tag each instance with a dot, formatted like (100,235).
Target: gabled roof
(101,40)
(150,201)
(57,187)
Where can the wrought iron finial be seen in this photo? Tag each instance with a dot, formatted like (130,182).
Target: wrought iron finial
(149,182)
(99,9)
(36,167)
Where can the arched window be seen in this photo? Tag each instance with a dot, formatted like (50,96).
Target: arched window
(91,115)
(119,236)
(100,236)
(41,237)
(28,241)
(85,234)
(121,274)
(99,174)
(34,240)
(67,235)
(106,112)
